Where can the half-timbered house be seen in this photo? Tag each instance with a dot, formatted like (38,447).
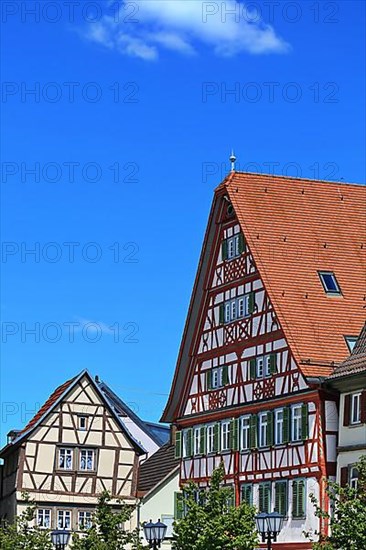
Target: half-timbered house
(349,379)
(279,293)
(82,441)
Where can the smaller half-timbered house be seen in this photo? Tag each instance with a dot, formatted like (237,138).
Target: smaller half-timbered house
(80,443)
(350,380)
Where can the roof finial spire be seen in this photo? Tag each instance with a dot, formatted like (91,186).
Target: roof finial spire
(232,160)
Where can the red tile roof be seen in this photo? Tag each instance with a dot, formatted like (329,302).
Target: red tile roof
(295,228)
(48,405)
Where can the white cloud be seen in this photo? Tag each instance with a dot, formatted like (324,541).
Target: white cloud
(181,25)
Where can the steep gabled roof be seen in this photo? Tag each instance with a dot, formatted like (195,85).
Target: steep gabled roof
(294,228)
(55,398)
(356,362)
(48,405)
(156,468)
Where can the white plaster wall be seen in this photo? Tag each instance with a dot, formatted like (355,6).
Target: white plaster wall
(160,503)
(350,435)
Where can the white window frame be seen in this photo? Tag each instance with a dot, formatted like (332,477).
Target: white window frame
(245,433)
(259,366)
(68,453)
(263,366)
(296,423)
(217,378)
(44,518)
(184,443)
(233,247)
(263,430)
(64,515)
(210,438)
(81,522)
(278,427)
(267,366)
(87,452)
(355,408)
(225,435)
(353,477)
(236,308)
(82,419)
(197,441)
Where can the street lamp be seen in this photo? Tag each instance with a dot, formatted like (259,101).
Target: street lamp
(60,539)
(269,526)
(154,533)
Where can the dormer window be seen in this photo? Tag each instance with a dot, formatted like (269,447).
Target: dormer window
(351,342)
(329,283)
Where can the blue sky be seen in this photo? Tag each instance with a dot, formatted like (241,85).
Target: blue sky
(109,167)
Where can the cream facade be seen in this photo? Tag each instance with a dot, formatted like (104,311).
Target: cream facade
(75,448)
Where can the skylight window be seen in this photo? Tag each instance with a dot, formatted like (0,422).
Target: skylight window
(329,282)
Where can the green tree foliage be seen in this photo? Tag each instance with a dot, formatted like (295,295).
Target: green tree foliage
(347,519)
(213,523)
(22,534)
(107,531)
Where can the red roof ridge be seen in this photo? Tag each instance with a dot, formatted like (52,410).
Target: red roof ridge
(281,176)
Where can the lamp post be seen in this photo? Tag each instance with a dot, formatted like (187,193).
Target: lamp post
(154,533)
(269,526)
(60,539)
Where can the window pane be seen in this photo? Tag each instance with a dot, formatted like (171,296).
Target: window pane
(329,282)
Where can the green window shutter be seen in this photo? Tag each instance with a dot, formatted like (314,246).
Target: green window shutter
(189,442)
(286,425)
(178,444)
(251,303)
(222,314)
(304,421)
(217,432)
(261,500)
(273,363)
(281,497)
(234,434)
(203,440)
(264,497)
(253,431)
(267,497)
(270,428)
(241,243)
(178,506)
(252,368)
(247,494)
(225,375)
(224,249)
(209,379)
(295,497)
(301,498)
(298,498)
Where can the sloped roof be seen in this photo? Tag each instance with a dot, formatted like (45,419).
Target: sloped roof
(48,405)
(157,432)
(57,396)
(356,362)
(294,228)
(156,468)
